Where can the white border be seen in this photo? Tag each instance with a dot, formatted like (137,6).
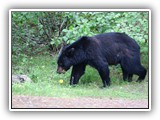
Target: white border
(95,10)
(10,66)
(150,59)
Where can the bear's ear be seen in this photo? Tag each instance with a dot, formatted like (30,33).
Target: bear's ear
(70,52)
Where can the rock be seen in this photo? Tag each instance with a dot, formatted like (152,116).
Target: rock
(20,79)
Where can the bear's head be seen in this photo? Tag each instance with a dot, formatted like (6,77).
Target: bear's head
(65,59)
(72,54)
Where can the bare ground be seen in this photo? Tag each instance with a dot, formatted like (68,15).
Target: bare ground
(21,101)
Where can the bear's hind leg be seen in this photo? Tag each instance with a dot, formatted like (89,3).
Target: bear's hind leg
(141,73)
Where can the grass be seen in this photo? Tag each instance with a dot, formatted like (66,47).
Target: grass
(42,70)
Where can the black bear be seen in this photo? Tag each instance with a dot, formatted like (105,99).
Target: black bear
(100,51)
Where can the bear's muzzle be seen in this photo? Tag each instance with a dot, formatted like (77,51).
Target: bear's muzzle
(60,70)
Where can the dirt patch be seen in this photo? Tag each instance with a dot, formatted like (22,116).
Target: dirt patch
(19,101)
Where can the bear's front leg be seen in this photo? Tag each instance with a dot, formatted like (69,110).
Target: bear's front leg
(77,71)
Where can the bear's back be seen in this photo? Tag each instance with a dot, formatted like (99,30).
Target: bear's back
(111,38)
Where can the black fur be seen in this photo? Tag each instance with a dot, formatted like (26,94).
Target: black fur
(100,51)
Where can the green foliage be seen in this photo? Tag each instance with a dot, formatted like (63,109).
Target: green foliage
(90,23)
(34,32)
(25,35)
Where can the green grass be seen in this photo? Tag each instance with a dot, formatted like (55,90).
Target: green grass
(42,70)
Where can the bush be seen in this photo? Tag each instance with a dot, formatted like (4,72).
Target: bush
(38,32)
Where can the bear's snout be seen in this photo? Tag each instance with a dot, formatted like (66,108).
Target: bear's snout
(60,70)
